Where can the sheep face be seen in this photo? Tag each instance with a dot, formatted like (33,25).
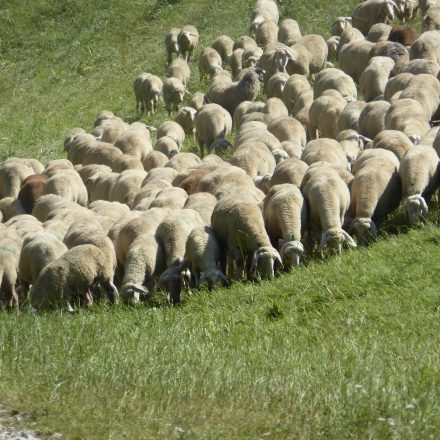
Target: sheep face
(133,293)
(363,229)
(291,252)
(171,282)
(212,277)
(416,209)
(335,239)
(263,261)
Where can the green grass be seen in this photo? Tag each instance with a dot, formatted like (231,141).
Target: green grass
(346,348)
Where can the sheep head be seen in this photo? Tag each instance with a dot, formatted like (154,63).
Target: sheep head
(263,182)
(291,251)
(264,259)
(416,209)
(363,228)
(335,239)
(219,144)
(132,293)
(171,282)
(279,155)
(212,276)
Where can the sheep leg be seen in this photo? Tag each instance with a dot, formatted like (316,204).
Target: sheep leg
(201,147)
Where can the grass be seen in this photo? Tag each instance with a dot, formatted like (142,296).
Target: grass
(346,348)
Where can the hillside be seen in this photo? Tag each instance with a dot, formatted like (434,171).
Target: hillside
(342,348)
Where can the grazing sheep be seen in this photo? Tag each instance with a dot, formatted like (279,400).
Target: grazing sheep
(349,117)
(244,108)
(286,128)
(231,95)
(212,124)
(209,62)
(171,43)
(284,213)
(71,277)
(375,193)
(179,69)
(31,189)
(10,245)
(249,58)
(203,203)
(144,263)
(187,41)
(418,66)
(431,20)
(409,116)
(223,45)
(379,32)
(235,61)
(395,85)
(253,157)
(126,186)
(12,174)
(333,47)
(426,46)
(183,161)
(54,166)
(289,32)
(390,49)
(419,172)
(99,185)
(148,89)
(374,78)
(135,141)
(297,93)
(205,258)
(264,10)
(10,207)
(372,118)
(275,86)
(173,198)
(405,35)
(353,58)
(167,174)
(239,225)
(173,130)
(154,159)
(328,199)
(110,129)
(334,79)
(289,171)
(37,252)
(173,93)
(352,143)
(324,150)
(198,100)
(267,33)
(324,114)
(371,12)
(67,184)
(339,25)
(185,118)
(350,35)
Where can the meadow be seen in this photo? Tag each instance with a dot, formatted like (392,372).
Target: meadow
(341,348)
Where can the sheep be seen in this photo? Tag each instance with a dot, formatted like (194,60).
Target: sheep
(167,146)
(70,278)
(12,175)
(205,258)
(372,118)
(339,25)
(286,128)
(353,58)
(10,207)
(425,89)
(275,86)
(154,159)
(249,58)
(275,108)
(426,46)
(328,199)
(172,129)
(187,41)
(289,32)
(111,129)
(37,252)
(374,78)
(235,61)
(126,186)
(431,20)
(135,141)
(198,100)
(99,185)
(289,171)
(244,108)
(146,195)
(333,47)
(183,161)
(425,5)
(419,172)
(203,203)
(349,117)
(264,10)
(171,43)
(390,49)
(239,225)
(31,189)
(379,32)
(10,245)
(48,203)
(324,114)
(68,185)
(212,124)
(371,12)
(111,210)
(334,79)
(409,116)
(140,101)
(405,35)
(324,150)
(150,90)
(267,33)
(179,69)
(223,45)
(284,213)
(173,93)
(54,166)
(254,157)
(350,35)
(352,143)
(418,66)
(185,118)
(375,193)
(145,261)
(429,137)
(297,93)
(174,198)
(395,85)
(231,95)
(167,174)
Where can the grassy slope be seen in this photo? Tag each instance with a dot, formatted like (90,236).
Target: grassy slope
(345,348)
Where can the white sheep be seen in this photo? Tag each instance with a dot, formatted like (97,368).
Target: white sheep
(297,93)
(426,46)
(372,118)
(349,117)
(173,93)
(187,41)
(179,69)
(171,44)
(289,32)
(223,45)
(185,118)
(371,12)
(263,10)
(10,245)
(353,58)
(374,78)
(135,141)
(67,184)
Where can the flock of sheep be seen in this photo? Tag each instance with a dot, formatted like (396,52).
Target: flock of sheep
(312,166)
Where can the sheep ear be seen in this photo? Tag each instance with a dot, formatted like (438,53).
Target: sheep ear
(324,241)
(278,258)
(424,207)
(254,260)
(140,289)
(348,239)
